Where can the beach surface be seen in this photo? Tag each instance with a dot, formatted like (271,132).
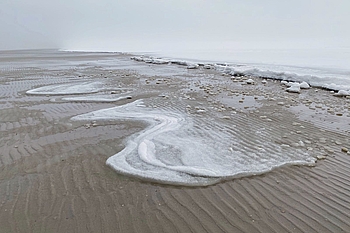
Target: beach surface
(54,147)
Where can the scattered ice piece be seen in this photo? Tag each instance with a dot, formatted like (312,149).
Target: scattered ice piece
(294,88)
(159,61)
(185,63)
(180,62)
(192,66)
(137,59)
(342,93)
(152,60)
(263,81)
(284,82)
(321,157)
(304,85)
(250,81)
(289,84)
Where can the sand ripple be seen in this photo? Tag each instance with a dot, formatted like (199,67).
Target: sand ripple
(54,178)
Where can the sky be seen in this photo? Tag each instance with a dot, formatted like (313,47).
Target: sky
(156,25)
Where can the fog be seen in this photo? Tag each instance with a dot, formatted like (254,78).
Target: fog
(155,25)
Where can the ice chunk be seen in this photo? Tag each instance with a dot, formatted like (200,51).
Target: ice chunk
(304,85)
(342,93)
(294,88)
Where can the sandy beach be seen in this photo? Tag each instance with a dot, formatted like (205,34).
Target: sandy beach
(53,172)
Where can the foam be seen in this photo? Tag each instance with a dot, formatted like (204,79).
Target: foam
(174,149)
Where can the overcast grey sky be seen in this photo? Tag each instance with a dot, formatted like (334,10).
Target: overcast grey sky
(132,25)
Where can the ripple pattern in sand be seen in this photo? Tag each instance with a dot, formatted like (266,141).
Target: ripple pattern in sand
(53,176)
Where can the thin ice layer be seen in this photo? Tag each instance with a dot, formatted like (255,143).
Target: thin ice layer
(68,89)
(98,98)
(174,149)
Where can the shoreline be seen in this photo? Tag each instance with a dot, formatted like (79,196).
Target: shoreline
(53,175)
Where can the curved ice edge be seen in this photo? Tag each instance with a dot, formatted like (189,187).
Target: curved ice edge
(203,181)
(142,143)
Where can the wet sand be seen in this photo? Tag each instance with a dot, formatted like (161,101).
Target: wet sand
(53,172)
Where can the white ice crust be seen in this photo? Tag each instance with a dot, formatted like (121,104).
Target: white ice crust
(68,89)
(271,72)
(306,76)
(172,150)
(97,98)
